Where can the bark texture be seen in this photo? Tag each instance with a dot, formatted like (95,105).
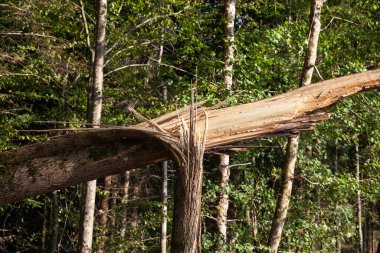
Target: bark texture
(103,220)
(224,169)
(95,153)
(359,200)
(95,111)
(291,154)
(124,202)
(54,223)
(85,243)
(224,174)
(164,221)
(286,192)
(100,45)
(315,29)
(229,30)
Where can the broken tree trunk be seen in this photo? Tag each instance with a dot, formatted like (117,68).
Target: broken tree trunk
(95,153)
(186,233)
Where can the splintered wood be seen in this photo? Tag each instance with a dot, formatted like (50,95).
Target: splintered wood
(95,153)
(293,111)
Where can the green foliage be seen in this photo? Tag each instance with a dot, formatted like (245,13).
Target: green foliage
(44,76)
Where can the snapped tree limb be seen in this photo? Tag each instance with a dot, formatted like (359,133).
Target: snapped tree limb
(95,153)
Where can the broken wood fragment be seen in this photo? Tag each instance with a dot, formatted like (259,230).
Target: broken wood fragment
(94,153)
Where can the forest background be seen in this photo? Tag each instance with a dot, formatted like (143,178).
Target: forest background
(44,74)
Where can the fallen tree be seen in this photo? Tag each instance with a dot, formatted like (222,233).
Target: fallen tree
(95,153)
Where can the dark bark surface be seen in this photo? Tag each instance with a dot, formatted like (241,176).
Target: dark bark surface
(75,158)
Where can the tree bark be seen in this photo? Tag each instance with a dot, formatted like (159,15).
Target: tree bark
(285,195)
(315,28)
(164,221)
(229,30)
(44,230)
(113,204)
(100,46)
(224,169)
(288,173)
(338,244)
(88,217)
(187,210)
(164,193)
(94,153)
(359,209)
(104,211)
(54,223)
(124,202)
(105,202)
(96,99)
(222,208)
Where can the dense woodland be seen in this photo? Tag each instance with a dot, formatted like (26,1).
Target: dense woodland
(149,58)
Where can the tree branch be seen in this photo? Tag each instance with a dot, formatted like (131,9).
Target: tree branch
(127,66)
(88,40)
(332,20)
(19,33)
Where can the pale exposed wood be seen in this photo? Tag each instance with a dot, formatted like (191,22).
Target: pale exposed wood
(186,232)
(295,110)
(71,159)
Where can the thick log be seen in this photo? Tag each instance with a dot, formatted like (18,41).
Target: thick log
(75,158)
(95,153)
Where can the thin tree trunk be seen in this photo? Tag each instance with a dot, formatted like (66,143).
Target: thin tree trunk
(360,225)
(292,147)
(105,202)
(335,172)
(224,174)
(315,28)
(229,29)
(104,211)
(136,195)
(88,217)
(164,193)
(54,223)
(94,118)
(251,217)
(224,169)
(285,195)
(112,212)
(371,220)
(43,232)
(164,221)
(124,202)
